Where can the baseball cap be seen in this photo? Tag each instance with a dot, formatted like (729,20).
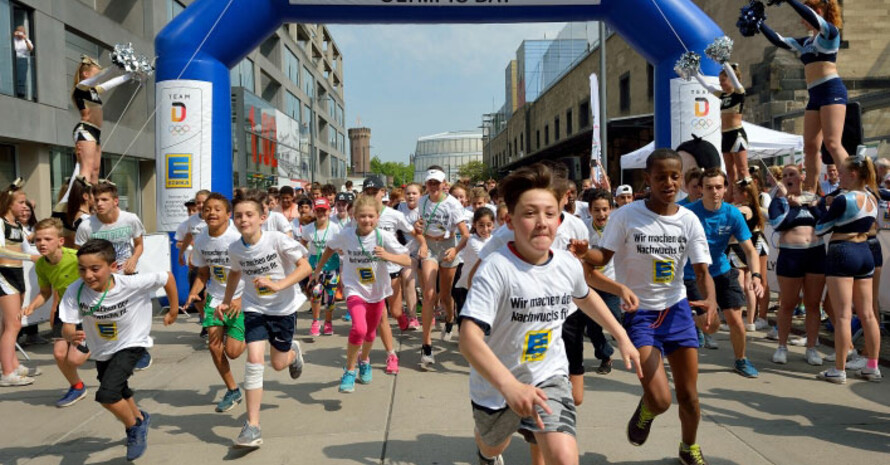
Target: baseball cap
(434,175)
(347,197)
(385,198)
(298,185)
(321,203)
(373,182)
(190,203)
(624,189)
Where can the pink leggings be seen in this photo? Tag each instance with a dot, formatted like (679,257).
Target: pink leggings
(365,318)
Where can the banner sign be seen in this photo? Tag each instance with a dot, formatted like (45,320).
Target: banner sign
(446,2)
(596,149)
(183,141)
(694,110)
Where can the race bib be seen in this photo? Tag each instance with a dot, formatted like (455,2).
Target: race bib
(536,344)
(219,273)
(107,331)
(263,290)
(365,275)
(663,271)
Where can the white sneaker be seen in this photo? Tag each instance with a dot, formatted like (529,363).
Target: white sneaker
(28,372)
(773,334)
(813,357)
(833,375)
(858,362)
(780,356)
(426,361)
(447,335)
(833,355)
(724,327)
(15,379)
(750,327)
(710,343)
(800,342)
(760,323)
(870,375)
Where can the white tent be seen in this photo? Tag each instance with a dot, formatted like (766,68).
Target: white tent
(764,143)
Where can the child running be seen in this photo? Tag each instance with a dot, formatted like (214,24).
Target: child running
(483,225)
(267,264)
(650,241)
(115,311)
(211,259)
(56,270)
(315,238)
(511,329)
(367,250)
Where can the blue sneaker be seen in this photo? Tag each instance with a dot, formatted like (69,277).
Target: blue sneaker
(137,438)
(745,368)
(347,317)
(364,372)
(229,400)
(143,363)
(701,337)
(72,396)
(347,382)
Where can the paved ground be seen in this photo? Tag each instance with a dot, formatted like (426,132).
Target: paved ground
(784,417)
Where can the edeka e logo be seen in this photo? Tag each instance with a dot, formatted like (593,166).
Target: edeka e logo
(177,112)
(702,107)
(663,271)
(179,171)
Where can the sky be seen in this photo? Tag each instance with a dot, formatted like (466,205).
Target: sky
(408,81)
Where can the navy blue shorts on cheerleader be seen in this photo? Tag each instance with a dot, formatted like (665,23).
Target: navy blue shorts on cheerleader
(829,92)
(796,263)
(667,330)
(847,259)
(876,253)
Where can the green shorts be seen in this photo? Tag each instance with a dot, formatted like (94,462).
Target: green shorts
(234,326)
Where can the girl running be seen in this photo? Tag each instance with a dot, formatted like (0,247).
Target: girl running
(483,225)
(315,238)
(409,208)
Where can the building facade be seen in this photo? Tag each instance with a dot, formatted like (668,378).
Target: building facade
(450,150)
(360,149)
(297,71)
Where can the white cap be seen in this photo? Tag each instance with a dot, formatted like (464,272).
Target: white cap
(385,198)
(434,175)
(624,189)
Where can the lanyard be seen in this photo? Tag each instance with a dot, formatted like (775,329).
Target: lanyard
(319,246)
(365,252)
(599,232)
(101,299)
(426,219)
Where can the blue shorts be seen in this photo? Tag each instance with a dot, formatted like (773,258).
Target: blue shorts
(849,259)
(795,263)
(277,329)
(830,92)
(876,253)
(667,330)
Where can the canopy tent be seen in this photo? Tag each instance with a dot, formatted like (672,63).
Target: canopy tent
(764,143)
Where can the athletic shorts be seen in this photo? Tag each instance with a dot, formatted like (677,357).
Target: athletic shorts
(497,425)
(727,290)
(667,330)
(736,256)
(437,252)
(849,259)
(395,275)
(84,131)
(234,326)
(796,263)
(760,243)
(114,373)
(830,92)
(57,327)
(877,254)
(277,329)
(12,280)
(734,140)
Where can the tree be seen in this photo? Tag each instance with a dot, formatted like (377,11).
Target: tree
(475,170)
(399,172)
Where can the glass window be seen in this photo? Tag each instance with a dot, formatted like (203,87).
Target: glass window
(126,176)
(624,92)
(7,165)
(242,75)
(341,118)
(308,82)
(292,66)
(584,114)
(21,50)
(292,105)
(306,120)
(75,46)
(6,72)
(174,7)
(61,167)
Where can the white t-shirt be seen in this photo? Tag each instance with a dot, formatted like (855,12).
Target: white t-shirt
(470,255)
(411,215)
(277,222)
(582,210)
(120,233)
(525,307)
(342,223)
(596,237)
(442,217)
(318,241)
(650,251)
(181,230)
(121,321)
(362,274)
(570,227)
(213,252)
(391,221)
(274,256)
(195,224)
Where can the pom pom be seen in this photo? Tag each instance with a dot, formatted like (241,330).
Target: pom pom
(688,65)
(720,50)
(125,57)
(751,17)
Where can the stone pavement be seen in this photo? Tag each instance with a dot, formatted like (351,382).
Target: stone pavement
(784,417)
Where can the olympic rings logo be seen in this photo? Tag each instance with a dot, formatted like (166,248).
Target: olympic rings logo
(701,123)
(179,129)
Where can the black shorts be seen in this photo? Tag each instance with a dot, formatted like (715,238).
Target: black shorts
(114,373)
(395,275)
(796,263)
(277,329)
(12,280)
(459,295)
(57,327)
(573,330)
(876,253)
(84,131)
(849,259)
(726,287)
(734,140)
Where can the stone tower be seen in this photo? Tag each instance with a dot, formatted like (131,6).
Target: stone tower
(360,150)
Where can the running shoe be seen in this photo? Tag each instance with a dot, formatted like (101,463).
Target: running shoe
(870,374)
(833,356)
(799,312)
(144,362)
(858,362)
(250,437)
(744,367)
(499,460)
(347,317)
(773,333)
(813,357)
(833,375)
(413,323)
(701,337)
(137,437)
(639,425)
(392,364)
(447,334)
(800,342)
(328,328)
(710,343)
(760,323)
(605,367)
(780,356)
(364,372)
(691,455)
(28,372)
(750,327)
(15,379)
(71,397)
(315,329)
(229,400)
(426,361)
(296,367)
(347,381)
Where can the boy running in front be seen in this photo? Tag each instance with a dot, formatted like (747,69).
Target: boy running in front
(511,329)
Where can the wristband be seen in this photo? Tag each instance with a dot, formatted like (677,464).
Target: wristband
(757,275)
